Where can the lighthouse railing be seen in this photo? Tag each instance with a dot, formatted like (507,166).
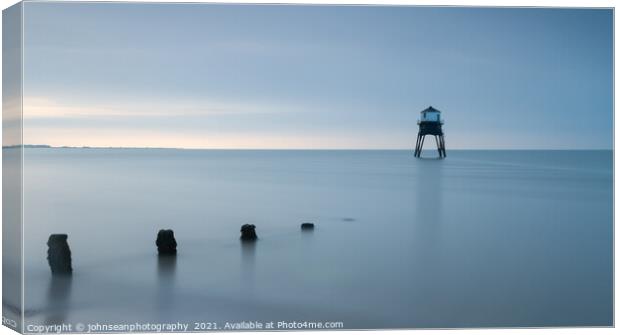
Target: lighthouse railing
(420,121)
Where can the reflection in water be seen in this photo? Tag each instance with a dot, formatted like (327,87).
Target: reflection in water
(58,297)
(166,271)
(248,267)
(429,200)
(306,247)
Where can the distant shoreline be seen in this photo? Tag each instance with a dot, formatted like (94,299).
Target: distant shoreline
(45,146)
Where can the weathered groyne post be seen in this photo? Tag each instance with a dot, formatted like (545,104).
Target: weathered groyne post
(307,226)
(248,232)
(166,243)
(430,124)
(59,254)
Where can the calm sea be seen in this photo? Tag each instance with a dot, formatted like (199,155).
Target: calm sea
(480,239)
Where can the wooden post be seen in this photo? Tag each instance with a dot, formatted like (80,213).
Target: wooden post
(248,232)
(59,254)
(166,243)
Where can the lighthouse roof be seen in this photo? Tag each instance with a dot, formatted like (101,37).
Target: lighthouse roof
(430,109)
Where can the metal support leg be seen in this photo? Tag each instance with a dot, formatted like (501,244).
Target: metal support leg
(443,145)
(421,145)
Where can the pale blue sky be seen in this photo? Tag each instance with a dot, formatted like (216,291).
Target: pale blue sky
(248,76)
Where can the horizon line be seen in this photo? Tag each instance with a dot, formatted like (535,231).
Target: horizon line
(46,146)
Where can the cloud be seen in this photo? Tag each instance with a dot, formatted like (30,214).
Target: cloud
(36,108)
(157,138)
(191,124)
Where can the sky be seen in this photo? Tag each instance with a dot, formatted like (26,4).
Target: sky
(315,77)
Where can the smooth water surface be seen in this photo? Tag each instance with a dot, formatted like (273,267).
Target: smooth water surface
(480,239)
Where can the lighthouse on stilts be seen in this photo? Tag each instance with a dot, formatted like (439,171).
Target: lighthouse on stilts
(430,124)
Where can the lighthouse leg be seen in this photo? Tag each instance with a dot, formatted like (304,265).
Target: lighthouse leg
(443,145)
(417,146)
(421,145)
(438,145)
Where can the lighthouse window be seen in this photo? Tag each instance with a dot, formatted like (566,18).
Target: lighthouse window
(430,116)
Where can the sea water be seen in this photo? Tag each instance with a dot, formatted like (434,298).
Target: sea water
(479,239)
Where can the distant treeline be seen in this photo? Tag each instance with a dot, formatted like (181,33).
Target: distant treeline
(26,146)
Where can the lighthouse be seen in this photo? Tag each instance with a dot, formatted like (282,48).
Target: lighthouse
(430,124)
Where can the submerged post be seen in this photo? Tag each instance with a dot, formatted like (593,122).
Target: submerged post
(307,226)
(430,124)
(248,232)
(166,243)
(59,254)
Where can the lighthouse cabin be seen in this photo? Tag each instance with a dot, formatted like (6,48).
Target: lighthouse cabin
(430,115)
